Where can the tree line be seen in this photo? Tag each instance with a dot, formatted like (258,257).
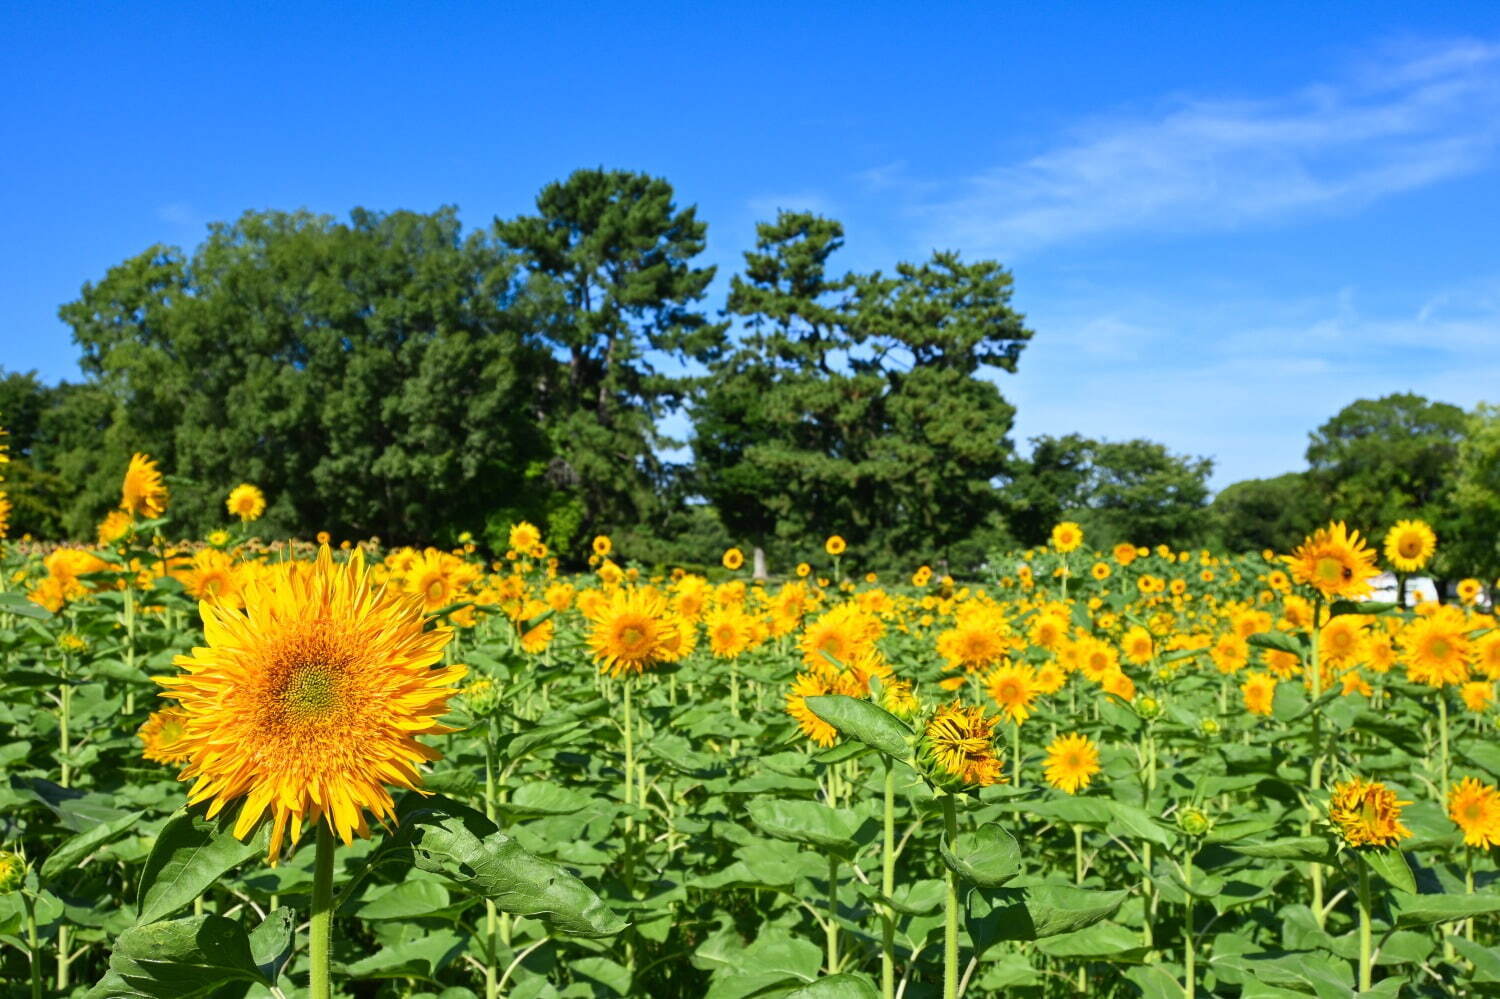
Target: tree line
(392,375)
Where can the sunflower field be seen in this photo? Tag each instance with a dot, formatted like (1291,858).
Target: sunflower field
(235,768)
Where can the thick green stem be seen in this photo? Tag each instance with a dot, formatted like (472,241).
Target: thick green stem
(1189,955)
(320,926)
(950,912)
(64,719)
(491,914)
(629,726)
(1366,963)
(888,888)
(1443,739)
(34,946)
(1315,776)
(833,915)
(1078,855)
(1015,751)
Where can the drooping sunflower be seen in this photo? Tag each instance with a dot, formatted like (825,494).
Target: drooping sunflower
(1013,688)
(114,525)
(246,502)
(1259,691)
(1366,813)
(143,493)
(1475,808)
(634,632)
(161,736)
(1072,761)
(1335,561)
(959,742)
(307,703)
(1067,536)
(1409,544)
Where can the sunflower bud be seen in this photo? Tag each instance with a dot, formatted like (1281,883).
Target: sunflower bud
(1194,822)
(1209,727)
(1148,708)
(12,872)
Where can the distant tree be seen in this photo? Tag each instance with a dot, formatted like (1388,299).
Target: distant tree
(372,377)
(1134,490)
(1381,460)
(1472,544)
(612,291)
(1256,514)
(855,404)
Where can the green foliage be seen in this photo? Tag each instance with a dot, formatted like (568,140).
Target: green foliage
(1267,513)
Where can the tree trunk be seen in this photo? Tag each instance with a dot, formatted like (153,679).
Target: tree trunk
(759,556)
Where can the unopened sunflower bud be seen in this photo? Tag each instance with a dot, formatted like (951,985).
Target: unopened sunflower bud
(1194,822)
(1148,707)
(1209,727)
(12,872)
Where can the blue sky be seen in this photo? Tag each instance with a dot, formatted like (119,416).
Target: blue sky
(1225,221)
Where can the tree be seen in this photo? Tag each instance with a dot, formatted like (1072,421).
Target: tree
(1276,513)
(372,377)
(1472,545)
(1381,460)
(856,404)
(611,291)
(1134,490)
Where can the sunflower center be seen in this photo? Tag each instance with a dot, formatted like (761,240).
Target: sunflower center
(312,692)
(1329,570)
(1410,547)
(1439,648)
(435,589)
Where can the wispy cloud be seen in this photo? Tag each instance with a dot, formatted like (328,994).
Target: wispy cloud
(1402,121)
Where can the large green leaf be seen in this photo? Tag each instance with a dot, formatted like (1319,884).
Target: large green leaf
(1424,910)
(185,957)
(1391,866)
(837,987)
(463,846)
(988,856)
(1036,912)
(74,850)
(805,822)
(866,722)
(190,854)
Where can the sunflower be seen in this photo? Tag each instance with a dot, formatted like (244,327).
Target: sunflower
(1259,691)
(816,684)
(1366,813)
(733,559)
(1409,545)
(114,525)
(524,538)
(1487,655)
(246,502)
(1335,561)
(1340,639)
(634,632)
(1047,631)
(1067,536)
(897,697)
(1475,808)
(4,514)
(143,493)
(922,576)
(1137,645)
(307,703)
(1477,695)
(841,634)
(535,639)
(959,741)
(1100,570)
(161,736)
(1013,688)
(1072,761)
(212,576)
(835,545)
(1124,553)
(730,632)
(1436,650)
(1468,591)
(602,545)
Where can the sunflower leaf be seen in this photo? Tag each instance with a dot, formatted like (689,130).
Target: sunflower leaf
(190,854)
(866,722)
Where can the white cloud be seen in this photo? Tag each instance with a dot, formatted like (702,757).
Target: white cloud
(1405,121)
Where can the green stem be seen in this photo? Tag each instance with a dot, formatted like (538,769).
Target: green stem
(888,888)
(833,914)
(34,945)
(320,926)
(1443,738)
(491,915)
(1366,964)
(64,718)
(1469,890)
(1315,777)
(1015,751)
(950,920)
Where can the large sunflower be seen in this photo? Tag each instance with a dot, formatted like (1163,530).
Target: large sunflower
(960,742)
(1335,561)
(1436,650)
(143,492)
(1072,761)
(634,632)
(1409,545)
(1013,688)
(307,703)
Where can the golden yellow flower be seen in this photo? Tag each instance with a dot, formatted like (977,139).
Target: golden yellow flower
(1478,695)
(246,502)
(161,736)
(1475,808)
(1409,544)
(1366,813)
(1259,691)
(1124,553)
(960,741)
(524,538)
(1067,536)
(634,632)
(1468,591)
(143,494)
(730,632)
(1435,650)
(816,684)
(307,703)
(603,545)
(733,559)
(1487,655)
(1072,761)
(114,525)
(1335,561)
(1013,688)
